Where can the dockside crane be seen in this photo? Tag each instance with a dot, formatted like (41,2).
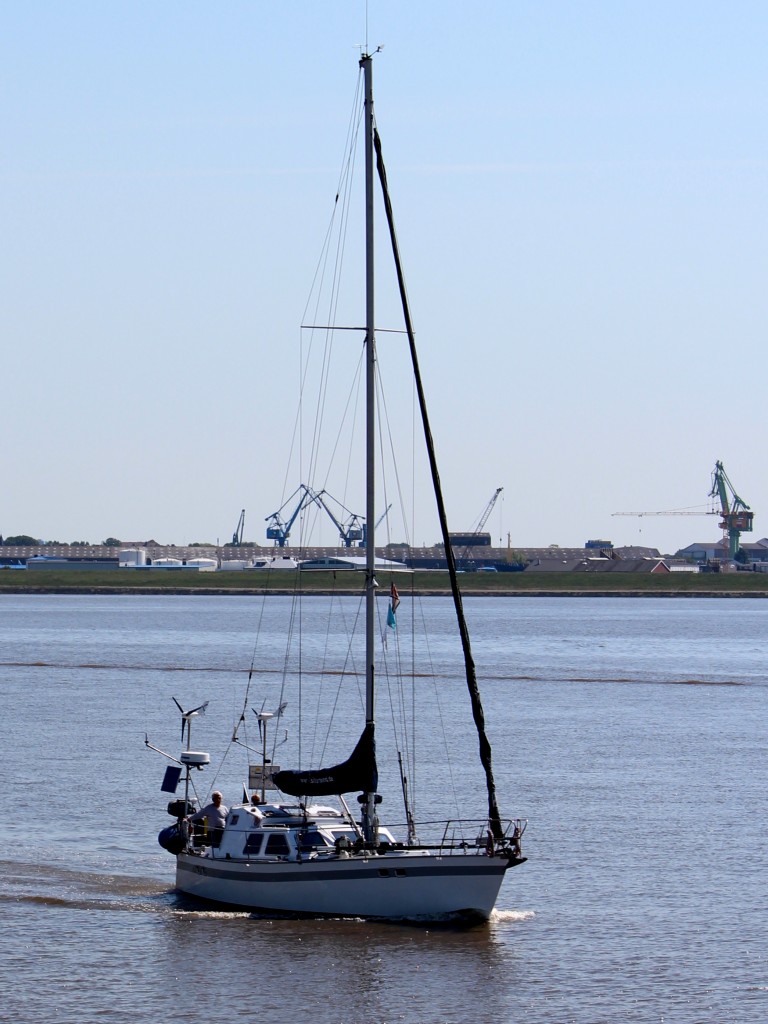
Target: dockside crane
(467,541)
(487,511)
(280,530)
(736,514)
(237,536)
(352,529)
(378,523)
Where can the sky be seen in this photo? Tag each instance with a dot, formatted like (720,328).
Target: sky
(580,193)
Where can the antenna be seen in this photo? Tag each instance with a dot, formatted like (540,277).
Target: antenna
(263,718)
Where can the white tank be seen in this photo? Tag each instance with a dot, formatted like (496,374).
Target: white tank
(232,564)
(133,556)
(209,564)
(167,561)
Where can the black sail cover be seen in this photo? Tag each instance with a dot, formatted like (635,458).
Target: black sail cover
(358,772)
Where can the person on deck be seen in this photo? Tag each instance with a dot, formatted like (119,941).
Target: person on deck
(214,815)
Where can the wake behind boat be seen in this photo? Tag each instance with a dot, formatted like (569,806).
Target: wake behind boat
(293,854)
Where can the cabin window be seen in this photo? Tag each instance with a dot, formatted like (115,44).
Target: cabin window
(310,840)
(253,844)
(277,846)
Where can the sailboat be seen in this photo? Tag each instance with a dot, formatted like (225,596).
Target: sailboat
(294,855)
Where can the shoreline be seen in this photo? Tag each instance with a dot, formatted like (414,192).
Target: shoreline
(350,582)
(99,591)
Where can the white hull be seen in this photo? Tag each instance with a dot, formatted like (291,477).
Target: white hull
(397,886)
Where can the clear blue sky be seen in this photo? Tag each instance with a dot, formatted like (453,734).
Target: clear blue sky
(580,191)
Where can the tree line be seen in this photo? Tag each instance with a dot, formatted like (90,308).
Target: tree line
(23,540)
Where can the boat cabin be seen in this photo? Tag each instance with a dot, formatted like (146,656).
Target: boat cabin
(275,832)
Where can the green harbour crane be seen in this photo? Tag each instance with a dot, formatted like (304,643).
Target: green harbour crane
(736,514)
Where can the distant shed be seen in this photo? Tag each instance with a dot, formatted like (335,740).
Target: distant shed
(81,564)
(470,540)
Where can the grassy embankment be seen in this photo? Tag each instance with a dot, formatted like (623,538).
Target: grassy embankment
(503,584)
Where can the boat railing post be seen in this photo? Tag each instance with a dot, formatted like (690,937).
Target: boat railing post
(444,840)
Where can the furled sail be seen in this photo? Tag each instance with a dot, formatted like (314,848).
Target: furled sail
(358,772)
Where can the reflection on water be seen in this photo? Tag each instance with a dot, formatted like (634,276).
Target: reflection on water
(367,967)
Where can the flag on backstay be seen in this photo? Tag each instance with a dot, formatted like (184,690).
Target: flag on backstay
(394,601)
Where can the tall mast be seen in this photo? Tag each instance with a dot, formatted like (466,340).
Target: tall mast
(366,64)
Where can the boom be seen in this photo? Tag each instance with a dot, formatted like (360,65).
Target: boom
(488,509)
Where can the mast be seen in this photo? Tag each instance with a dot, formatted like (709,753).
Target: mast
(366,63)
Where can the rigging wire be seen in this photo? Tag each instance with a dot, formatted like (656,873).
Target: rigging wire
(336,228)
(341,220)
(344,673)
(330,268)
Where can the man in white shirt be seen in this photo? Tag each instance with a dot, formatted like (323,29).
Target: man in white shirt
(214,815)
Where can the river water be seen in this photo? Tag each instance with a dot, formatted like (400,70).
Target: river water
(629,732)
